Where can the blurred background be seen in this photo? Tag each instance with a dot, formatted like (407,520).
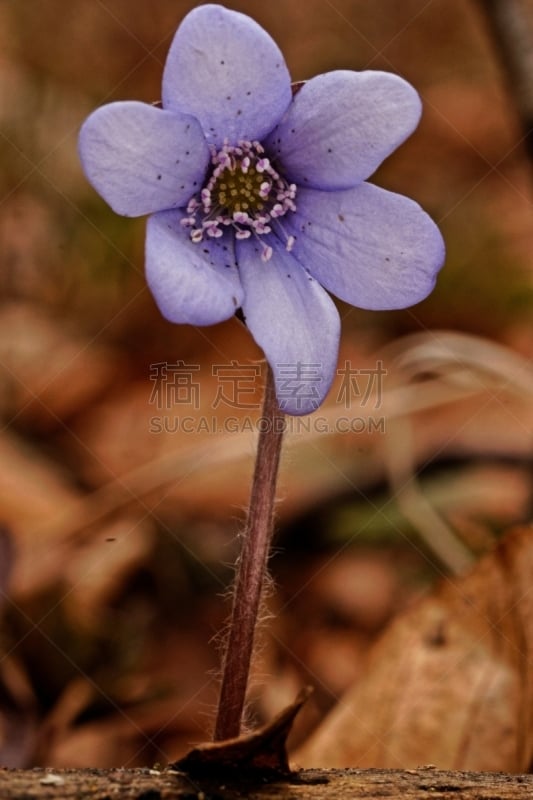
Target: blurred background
(118,525)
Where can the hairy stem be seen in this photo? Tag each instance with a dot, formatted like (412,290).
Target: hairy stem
(251,569)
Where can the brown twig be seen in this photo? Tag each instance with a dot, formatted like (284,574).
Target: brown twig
(511,26)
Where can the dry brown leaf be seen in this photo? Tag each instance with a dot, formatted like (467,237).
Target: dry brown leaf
(33,490)
(32,486)
(260,754)
(450,682)
(18,718)
(47,374)
(97,570)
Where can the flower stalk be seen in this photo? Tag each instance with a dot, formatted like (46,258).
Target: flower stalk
(251,568)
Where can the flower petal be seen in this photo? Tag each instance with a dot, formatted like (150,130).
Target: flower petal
(142,159)
(197,284)
(341,125)
(294,321)
(370,247)
(225,70)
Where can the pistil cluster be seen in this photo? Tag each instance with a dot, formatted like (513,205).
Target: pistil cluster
(243,191)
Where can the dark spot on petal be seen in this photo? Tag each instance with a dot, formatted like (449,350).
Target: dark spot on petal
(239,112)
(222,62)
(182,186)
(387,258)
(248,94)
(225,247)
(205,250)
(187,152)
(227,98)
(234,301)
(188,127)
(330,150)
(340,217)
(159,177)
(288,275)
(293,130)
(177,161)
(195,183)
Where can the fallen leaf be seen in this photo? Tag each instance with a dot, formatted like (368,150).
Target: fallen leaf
(47,373)
(260,753)
(449,683)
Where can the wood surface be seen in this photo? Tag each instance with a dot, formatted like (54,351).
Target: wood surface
(145,784)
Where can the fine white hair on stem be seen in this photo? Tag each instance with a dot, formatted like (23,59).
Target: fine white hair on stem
(220,638)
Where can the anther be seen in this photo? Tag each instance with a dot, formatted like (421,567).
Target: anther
(266,255)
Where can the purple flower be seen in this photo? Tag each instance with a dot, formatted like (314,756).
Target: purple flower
(258,198)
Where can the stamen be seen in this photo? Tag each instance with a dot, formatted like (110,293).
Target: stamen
(290,241)
(266,255)
(260,227)
(277,210)
(243,191)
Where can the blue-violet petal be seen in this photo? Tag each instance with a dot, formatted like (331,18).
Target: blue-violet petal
(342,125)
(294,321)
(225,70)
(193,284)
(372,248)
(142,159)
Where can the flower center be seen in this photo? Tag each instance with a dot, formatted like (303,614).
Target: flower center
(243,191)
(238,190)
